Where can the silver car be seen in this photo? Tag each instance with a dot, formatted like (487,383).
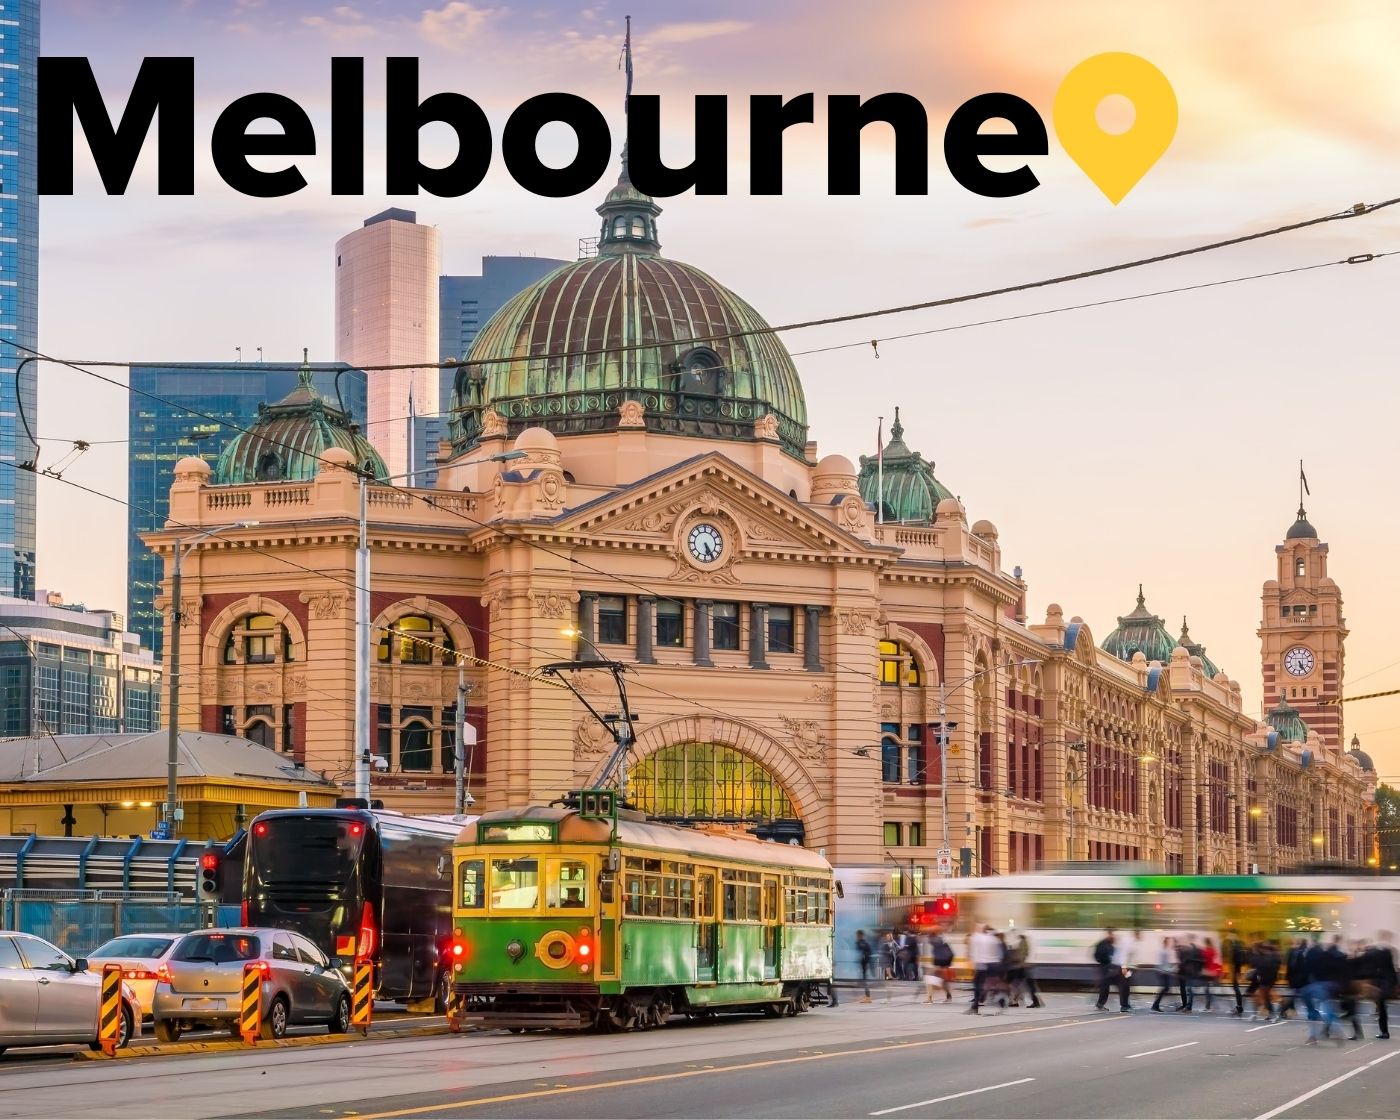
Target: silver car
(48,997)
(200,983)
(139,955)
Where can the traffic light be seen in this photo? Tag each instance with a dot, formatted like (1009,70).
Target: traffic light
(945,909)
(210,879)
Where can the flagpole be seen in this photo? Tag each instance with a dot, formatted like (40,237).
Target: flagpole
(880,473)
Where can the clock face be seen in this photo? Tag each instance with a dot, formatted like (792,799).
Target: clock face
(1298,661)
(705,542)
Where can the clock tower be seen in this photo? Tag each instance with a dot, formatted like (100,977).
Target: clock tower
(1303,633)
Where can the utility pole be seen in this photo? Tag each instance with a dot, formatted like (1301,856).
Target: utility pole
(460,754)
(362,608)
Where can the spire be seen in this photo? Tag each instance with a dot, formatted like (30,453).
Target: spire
(304,374)
(896,429)
(1185,639)
(1142,601)
(629,216)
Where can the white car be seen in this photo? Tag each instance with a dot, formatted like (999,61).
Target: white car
(47,998)
(140,956)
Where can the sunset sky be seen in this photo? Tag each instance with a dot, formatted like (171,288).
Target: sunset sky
(1152,442)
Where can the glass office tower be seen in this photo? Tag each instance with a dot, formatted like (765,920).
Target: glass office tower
(209,405)
(19,290)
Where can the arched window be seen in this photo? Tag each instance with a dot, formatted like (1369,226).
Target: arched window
(898,666)
(417,640)
(261,732)
(703,372)
(269,467)
(1302,568)
(889,760)
(707,781)
(262,636)
(416,746)
(639,227)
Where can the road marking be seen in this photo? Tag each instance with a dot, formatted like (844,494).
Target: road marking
(1323,1088)
(1164,1049)
(457,1106)
(1266,1026)
(952,1096)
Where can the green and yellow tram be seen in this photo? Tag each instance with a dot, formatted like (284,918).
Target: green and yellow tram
(570,920)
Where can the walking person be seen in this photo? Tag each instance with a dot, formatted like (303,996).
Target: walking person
(1211,969)
(1166,971)
(1188,968)
(985,951)
(1108,955)
(926,969)
(942,954)
(1326,965)
(1235,955)
(866,954)
(1296,972)
(1267,964)
(1378,966)
(1021,961)
(887,954)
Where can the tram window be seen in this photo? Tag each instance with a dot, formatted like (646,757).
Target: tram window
(670,896)
(687,899)
(770,900)
(515,884)
(706,908)
(731,902)
(470,877)
(568,885)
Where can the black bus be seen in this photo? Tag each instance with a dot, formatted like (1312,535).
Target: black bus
(359,883)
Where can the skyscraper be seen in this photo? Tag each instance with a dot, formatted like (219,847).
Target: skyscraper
(19,289)
(386,313)
(163,434)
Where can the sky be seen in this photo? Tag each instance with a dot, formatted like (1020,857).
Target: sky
(1154,441)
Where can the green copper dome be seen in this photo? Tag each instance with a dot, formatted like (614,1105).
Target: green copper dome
(629,325)
(911,493)
(1140,630)
(1288,723)
(286,442)
(1195,649)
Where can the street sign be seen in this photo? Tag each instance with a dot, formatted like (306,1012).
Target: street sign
(161,831)
(945,863)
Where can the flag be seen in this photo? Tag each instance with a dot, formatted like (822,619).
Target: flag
(1303,478)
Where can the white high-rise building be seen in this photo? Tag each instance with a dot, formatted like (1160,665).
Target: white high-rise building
(386,313)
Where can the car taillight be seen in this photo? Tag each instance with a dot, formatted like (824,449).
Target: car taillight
(140,974)
(163,974)
(265,969)
(364,948)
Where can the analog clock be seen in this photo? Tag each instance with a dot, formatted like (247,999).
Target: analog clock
(705,542)
(1299,661)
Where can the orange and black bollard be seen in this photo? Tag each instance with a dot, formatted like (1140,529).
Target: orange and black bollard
(362,997)
(109,1024)
(250,1008)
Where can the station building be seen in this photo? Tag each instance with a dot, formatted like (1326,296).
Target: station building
(799,629)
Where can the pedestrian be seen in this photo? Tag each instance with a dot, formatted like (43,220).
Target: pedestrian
(1379,969)
(1267,964)
(1326,965)
(1166,971)
(1236,958)
(909,953)
(867,962)
(1107,955)
(1021,963)
(943,963)
(932,980)
(1188,970)
(1211,969)
(986,954)
(1296,972)
(887,954)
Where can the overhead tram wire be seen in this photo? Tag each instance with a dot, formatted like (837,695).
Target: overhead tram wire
(1360,209)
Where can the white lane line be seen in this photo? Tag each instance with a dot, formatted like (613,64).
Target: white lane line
(955,1096)
(1265,1027)
(1323,1088)
(1164,1049)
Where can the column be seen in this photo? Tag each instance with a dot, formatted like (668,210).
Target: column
(758,636)
(646,629)
(812,640)
(701,645)
(587,625)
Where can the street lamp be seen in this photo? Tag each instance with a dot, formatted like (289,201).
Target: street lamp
(173,813)
(362,619)
(943,690)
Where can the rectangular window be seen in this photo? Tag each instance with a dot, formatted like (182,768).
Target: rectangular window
(892,834)
(916,834)
(568,885)
(470,878)
(725,625)
(670,623)
(782,637)
(75,702)
(612,619)
(515,884)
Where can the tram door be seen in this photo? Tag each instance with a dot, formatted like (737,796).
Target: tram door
(771,929)
(706,933)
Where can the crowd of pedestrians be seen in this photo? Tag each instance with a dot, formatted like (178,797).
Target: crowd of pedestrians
(1325,979)
(1330,980)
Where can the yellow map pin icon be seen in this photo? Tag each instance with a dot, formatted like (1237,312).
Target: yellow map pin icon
(1115,163)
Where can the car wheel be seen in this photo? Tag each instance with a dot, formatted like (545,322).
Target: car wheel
(274,1024)
(167,1030)
(340,1021)
(442,996)
(125,1029)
